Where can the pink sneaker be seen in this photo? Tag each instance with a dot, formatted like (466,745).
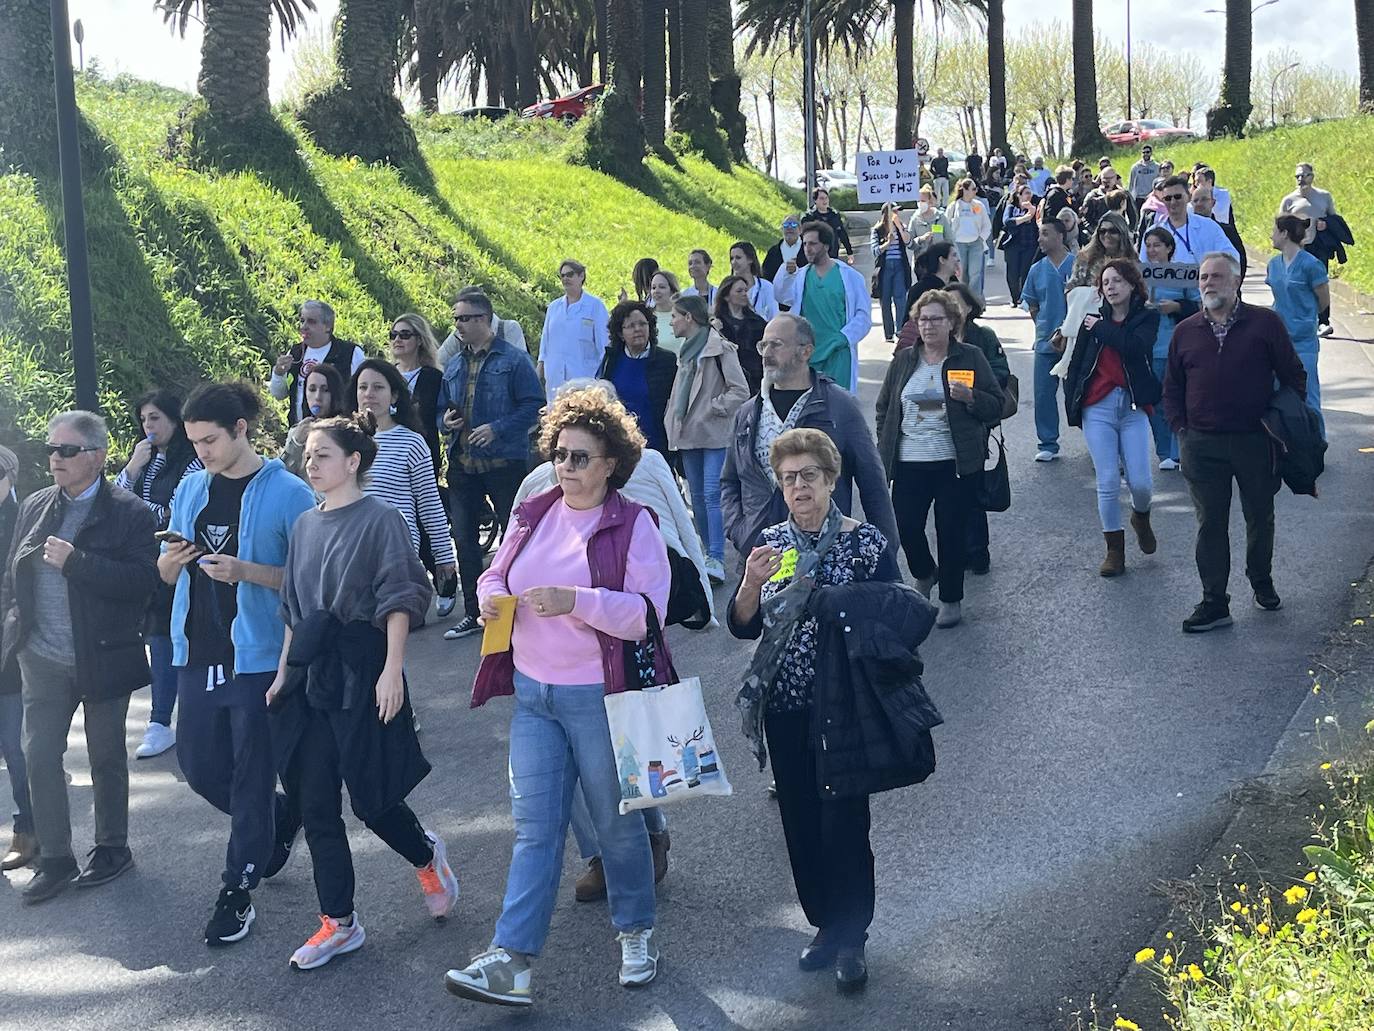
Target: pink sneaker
(332,939)
(438,881)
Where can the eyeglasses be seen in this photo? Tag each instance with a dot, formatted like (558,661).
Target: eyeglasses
(576,459)
(1175,196)
(68,450)
(931,320)
(767,344)
(401,334)
(465,319)
(808,475)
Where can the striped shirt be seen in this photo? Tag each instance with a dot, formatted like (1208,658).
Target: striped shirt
(145,490)
(403,476)
(925,423)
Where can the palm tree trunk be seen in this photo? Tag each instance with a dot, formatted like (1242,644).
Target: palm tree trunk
(427,41)
(1364,41)
(726,88)
(904,43)
(367,31)
(233,58)
(1233,108)
(28,120)
(655,60)
(526,60)
(674,10)
(997,77)
(692,114)
(1087,134)
(602,18)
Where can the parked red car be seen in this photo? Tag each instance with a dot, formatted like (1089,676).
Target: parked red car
(567,109)
(1145,129)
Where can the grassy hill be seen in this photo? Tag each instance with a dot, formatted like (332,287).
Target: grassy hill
(198,274)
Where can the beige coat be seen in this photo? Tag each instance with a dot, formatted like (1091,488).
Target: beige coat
(717,390)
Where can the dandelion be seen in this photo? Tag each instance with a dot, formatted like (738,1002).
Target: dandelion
(1244,910)
(1194,971)
(1326,766)
(1145,955)
(1261,928)
(1306,916)
(1126,1025)
(1167,961)
(1311,877)
(1242,888)
(1169,935)
(1295,894)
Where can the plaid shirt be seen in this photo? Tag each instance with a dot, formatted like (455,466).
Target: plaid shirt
(1220,329)
(468,462)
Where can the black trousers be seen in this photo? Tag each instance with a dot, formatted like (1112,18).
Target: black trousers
(316,784)
(1210,462)
(1019,261)
(224,749)
(827,838)
(467,496)
(915,487)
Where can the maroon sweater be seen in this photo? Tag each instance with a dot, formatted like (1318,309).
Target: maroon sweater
(1225,388)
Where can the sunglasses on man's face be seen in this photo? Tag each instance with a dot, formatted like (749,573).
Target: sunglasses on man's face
(1175,196)
(67,450)
(465,319)
(401,334)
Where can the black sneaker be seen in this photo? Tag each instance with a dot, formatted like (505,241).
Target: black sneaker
(105,863)
(1209,615)
(53,878)
(467,625)
(232,917)
(288,828)
(1267,598)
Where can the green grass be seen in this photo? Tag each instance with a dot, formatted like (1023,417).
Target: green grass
(198,274)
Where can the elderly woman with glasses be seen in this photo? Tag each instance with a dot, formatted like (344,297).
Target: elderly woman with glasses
(936,405)
(797,695)
(580,564)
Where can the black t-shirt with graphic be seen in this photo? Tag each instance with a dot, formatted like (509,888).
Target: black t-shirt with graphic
(213,604)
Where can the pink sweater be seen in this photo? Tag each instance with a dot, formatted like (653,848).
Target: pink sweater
(564,649)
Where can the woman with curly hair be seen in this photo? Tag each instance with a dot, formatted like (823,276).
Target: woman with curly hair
(641,368)
(583,563)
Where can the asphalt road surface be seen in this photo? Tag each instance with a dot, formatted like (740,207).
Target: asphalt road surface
(1087,751)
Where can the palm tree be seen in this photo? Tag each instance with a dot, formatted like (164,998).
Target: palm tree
(1364,40)
(674,10)
(428,30)
(234,49)
(655,62)
(1087,133)
(904,43)
(997,77)
(725,81)
(1233,107)
(692,113)
(28,121)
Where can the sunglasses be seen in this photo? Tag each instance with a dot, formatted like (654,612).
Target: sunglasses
(791,225)
(576,459)
(68,450)
(1175,196)
(465,319)
(401,334)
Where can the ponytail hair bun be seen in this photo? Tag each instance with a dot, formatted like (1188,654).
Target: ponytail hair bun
(354,436)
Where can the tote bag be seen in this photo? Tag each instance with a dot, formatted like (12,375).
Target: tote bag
(994,488)
(661,737)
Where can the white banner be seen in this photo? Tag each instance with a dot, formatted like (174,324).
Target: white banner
(888,175)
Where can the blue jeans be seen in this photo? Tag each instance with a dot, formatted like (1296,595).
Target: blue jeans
(1314,387)
(973,256)
(12,748)
(892,296)
(559,738)
(164,680)
(1118,435)
(1046,402)
(1166,444)
(702,467)
(655,822)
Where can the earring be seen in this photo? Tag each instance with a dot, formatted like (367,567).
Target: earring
(391,409)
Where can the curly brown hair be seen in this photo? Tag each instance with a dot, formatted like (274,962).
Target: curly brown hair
(605,418)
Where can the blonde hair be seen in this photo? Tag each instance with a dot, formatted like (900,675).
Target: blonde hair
(604,417)
(426,346)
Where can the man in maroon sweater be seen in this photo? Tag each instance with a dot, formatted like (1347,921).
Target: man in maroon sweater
(1223,362)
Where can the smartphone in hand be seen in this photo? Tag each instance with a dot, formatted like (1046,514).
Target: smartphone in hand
(170,537)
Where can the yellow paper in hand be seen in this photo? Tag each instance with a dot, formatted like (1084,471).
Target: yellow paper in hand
(964,376)
(788,567)
(496,633)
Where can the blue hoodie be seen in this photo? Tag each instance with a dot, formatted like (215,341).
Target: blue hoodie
(271,504)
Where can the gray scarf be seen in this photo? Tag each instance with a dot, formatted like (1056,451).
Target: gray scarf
(687,359)
(781,614)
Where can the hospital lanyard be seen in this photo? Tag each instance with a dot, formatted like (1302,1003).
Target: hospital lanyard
(754,294)
(1181,232)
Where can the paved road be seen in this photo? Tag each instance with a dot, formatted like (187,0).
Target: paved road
(1086,754)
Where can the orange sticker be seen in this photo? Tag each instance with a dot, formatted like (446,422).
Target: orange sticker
(964,376)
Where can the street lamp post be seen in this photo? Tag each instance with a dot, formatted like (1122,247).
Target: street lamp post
(809,96)
(1129,105)
(1273,88)
(79,34)
(73,211)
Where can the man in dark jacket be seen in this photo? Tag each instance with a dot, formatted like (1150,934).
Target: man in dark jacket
(77,583)
(24,846)
(1222,365)
(795,396)
(317,344)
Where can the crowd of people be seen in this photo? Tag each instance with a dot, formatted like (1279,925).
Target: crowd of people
(268,598)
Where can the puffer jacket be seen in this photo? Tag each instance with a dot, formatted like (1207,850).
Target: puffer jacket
(872,718)
(1134,340)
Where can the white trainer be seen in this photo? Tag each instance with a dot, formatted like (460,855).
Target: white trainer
(156,740)
(332,939)
(638,957)
(1168,464)
(1046,456)
(495,976)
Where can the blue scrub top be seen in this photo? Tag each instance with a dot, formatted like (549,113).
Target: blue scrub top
(1044,290)
(1168,322)
(1295,299)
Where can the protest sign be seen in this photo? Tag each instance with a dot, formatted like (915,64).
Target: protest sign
(888,175)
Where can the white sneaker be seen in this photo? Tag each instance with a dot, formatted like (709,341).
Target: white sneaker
(1325,329)
(1168,464)
(495,976)
(445,606)
(332,939)
(438,881)
(638,957)
(715,570)
(156,740)
(1046,456)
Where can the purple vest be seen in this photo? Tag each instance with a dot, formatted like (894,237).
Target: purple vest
(606,552)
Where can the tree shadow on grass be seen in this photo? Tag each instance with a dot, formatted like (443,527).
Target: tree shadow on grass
(679,196)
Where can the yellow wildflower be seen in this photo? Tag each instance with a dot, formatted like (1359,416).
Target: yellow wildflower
(1145,955)
(1194,971)
(1126,1025)
(1169,935)
(1244,910)
(1235,907)
(1242,888)
(1167,961)
(1359,622)
(1306,916)
(1326,766)
(1262,928)
(1295,894)
(1311,877)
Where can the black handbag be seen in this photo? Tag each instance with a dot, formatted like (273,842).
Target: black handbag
(640,671)
(994,488)
(1011,396)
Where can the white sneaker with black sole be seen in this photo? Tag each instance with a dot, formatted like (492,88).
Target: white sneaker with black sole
(638,957)
(495,976)
(463,628)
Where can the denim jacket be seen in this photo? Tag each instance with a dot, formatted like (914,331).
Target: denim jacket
(508,397)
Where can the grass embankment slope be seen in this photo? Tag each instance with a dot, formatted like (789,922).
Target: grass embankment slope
(197,274)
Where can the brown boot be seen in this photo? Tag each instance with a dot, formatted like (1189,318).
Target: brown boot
(23,851)
(1115,562)
(659,844)
(592,884)
(1144,532)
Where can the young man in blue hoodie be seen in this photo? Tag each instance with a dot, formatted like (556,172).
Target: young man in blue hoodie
(234,519)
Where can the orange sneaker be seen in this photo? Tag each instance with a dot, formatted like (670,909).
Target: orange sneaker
(332,939)
(438,881)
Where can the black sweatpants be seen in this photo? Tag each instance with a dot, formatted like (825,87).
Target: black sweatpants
(468,493)
(316,784)
(915,487)
(827,838)
(224,748)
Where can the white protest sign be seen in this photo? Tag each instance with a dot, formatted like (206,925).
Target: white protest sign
(888,175)
(1176,273)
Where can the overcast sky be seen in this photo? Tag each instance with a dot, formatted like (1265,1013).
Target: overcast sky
(128,35)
